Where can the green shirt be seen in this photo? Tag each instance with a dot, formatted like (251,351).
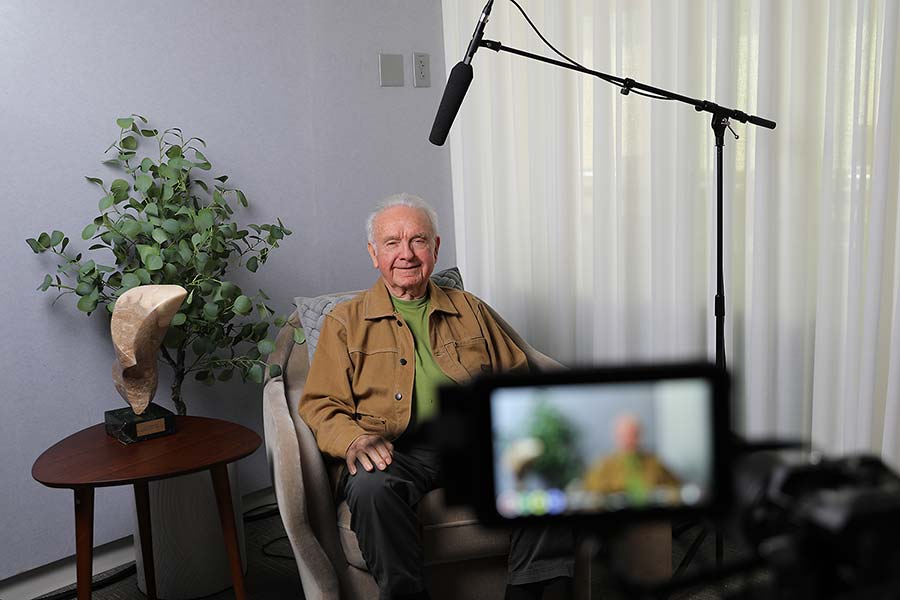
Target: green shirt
(428,374)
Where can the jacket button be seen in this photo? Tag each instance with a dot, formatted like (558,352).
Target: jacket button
(402,361)
(399,323)
(398,396)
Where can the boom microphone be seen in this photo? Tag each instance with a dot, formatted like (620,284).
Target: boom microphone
(458,84)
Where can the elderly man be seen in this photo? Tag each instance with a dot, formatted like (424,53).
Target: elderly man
(370,399)
(630,469)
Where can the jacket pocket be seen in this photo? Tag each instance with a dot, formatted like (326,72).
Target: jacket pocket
(371,423)
(473,355)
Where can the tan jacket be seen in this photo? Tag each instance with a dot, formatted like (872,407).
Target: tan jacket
(361,378)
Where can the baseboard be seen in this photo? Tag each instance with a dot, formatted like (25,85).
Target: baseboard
(61,573)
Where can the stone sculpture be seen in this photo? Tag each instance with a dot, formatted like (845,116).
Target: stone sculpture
(140,319)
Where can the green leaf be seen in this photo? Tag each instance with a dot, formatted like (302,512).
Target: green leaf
(204,219)
(222,178)
(154,263)
(96,180)
(274,370)
(242,305)
(35,245)
(255,374)
(145,252)
(152,209)
(129,228)
(242,198)
(179,319)
(87,268)
(252,264)
(149,132)
(199,156)
(129,143)
(84,288)
(210,310)
(143,183)
(106,202)
(160,236)
(56,237)
(266,346)
(88,232)
(168,192)
(125,123)
(44,239)
(171,226)
(279,321)
(146,165)
(143,275)
(88,303)
(45,285)
(174,151)
(299,336)
(226,374)
(120,185)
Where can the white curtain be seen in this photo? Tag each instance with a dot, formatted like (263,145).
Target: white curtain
(588,217)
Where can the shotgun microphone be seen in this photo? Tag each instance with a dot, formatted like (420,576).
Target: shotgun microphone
(458,84)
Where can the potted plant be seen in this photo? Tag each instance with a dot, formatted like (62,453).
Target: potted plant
(166,220)
(162,223)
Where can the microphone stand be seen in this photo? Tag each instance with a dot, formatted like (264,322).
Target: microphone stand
(720,120)
(721,117)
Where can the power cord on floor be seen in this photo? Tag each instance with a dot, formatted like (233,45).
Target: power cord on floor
(95,584)
(254,514)
(265,549)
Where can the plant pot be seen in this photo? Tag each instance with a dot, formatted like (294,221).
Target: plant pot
(188,545)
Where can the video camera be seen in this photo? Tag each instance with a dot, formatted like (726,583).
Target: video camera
(602,448)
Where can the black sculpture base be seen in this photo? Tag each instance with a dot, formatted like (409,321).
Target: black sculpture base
(128,427)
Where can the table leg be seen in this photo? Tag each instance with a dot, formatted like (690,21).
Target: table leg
(142,506)
(84,540)
(226,516)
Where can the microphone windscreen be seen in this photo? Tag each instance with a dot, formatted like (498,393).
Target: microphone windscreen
(457,85)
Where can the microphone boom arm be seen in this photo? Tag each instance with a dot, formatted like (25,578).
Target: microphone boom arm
(630,84)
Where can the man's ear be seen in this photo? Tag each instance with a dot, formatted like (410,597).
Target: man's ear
(371,248)
(437,246)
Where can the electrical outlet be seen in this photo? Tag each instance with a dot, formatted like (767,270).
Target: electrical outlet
(421,70)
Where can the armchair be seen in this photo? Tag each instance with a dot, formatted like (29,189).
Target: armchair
(464,560)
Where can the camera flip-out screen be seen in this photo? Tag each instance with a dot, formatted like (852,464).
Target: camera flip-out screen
(594,443)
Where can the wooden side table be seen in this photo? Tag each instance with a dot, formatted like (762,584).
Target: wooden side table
(90,459)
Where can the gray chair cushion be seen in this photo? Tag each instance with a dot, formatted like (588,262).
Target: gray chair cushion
(312,311)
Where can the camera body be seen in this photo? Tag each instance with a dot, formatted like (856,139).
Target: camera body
(602,448)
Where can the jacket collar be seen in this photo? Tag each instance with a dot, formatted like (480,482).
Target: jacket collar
(378,300)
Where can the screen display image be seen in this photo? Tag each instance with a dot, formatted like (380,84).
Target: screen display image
(592,448)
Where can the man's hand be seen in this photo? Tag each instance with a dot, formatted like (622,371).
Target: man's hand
(371,451)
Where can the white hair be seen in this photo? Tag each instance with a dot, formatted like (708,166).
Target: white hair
(403,199)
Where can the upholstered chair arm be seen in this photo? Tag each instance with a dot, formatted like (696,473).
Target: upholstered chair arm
(298,471)
(536,360)
(283,451)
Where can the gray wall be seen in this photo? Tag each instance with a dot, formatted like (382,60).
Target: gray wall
(286,95)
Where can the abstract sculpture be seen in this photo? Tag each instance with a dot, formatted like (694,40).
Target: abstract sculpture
(140,319)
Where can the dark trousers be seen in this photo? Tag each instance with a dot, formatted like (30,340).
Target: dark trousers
(383,516)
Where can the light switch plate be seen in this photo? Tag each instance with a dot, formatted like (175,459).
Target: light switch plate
(390,70)
(421,69)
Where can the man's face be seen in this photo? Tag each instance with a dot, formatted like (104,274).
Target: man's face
(405,250)
(628,434)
